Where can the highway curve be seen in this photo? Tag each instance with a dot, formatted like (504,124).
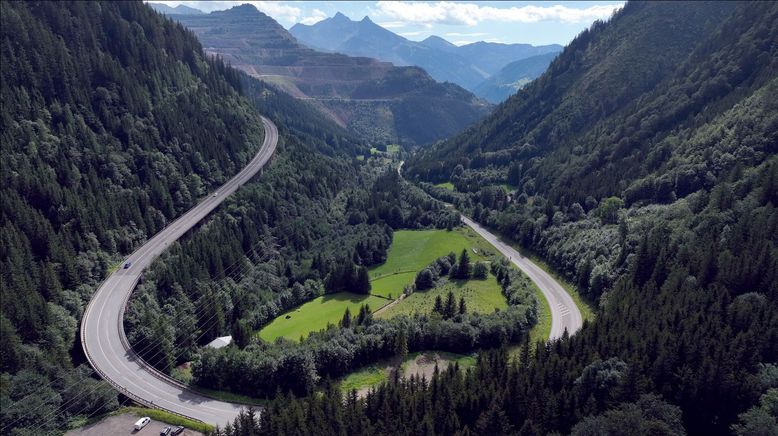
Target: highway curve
(102,330)
(564,312)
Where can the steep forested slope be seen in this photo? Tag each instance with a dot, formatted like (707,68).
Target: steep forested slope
(306,228)
(113,122)
(643,167)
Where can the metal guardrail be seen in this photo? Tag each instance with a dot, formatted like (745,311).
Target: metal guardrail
(124,391)
(126,344)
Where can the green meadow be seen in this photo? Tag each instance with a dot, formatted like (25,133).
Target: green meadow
(412,250)
(481,296)
(316,314)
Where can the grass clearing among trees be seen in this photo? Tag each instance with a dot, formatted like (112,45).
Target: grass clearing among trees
(414,364)
(481,296)
(412,250)
(316,314)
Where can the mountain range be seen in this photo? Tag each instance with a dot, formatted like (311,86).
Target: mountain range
(178,10)
(513,77)
(468,65)
(376,99)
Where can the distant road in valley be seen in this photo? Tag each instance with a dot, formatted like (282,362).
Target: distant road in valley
(564,313)
(102,330)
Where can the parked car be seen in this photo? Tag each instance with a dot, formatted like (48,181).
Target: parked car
(127,265)
(165,432)
(139,424)
(177,431)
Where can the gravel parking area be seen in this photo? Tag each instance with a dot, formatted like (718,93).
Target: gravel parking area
(124,424)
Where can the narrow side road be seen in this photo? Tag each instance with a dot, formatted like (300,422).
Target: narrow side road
(102,327)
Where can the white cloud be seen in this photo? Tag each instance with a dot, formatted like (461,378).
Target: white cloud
(471,14)
(275,9)
(417,33)
(476,34)
(392,24)
(316,16)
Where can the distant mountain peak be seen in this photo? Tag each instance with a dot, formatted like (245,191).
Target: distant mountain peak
(438,42)
(435,38)
(340,17)
(178,10)
(366,19)
(244,9)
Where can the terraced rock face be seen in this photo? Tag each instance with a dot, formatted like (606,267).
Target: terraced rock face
(407,104)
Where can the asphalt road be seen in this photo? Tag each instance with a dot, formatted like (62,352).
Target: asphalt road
(102,331)
(564,312)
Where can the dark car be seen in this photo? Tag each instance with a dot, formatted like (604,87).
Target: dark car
(177,431)
(165,432)
(127,265)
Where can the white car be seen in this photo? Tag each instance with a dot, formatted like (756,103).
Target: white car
(139,424)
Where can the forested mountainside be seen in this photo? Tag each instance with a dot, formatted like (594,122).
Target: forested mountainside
(113,122)
(377,100)
(642,166)
(307,227)
(513,77)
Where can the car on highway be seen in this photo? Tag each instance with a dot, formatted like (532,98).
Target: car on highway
(139,424)
(127,265)
(165,432)
(177,431)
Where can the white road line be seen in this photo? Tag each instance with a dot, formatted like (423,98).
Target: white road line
(100,334)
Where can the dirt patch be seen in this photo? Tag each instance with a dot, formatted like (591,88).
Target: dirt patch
(387,306)
(424,364)
(124,425)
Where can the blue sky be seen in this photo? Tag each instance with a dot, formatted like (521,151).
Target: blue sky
(460,22)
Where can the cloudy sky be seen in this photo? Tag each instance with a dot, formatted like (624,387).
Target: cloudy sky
(460,22)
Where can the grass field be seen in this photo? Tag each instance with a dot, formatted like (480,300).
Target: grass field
(481,296)
(316,314)
(374,375)
(412,250)
(366,377)
(542,329)
(447,185)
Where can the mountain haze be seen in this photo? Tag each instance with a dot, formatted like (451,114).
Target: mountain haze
(376,99)
(178,10)
(513,77)
(467,66)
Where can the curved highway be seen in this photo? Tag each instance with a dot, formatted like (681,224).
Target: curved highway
(102,330)
(564,313)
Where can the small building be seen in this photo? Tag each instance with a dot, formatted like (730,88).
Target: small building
(220,342)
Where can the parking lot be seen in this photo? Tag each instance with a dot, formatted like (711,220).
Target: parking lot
(123,424)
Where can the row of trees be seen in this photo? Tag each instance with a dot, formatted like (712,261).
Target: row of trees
(482,401)
(449,266)
(449,309)
(261,369)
